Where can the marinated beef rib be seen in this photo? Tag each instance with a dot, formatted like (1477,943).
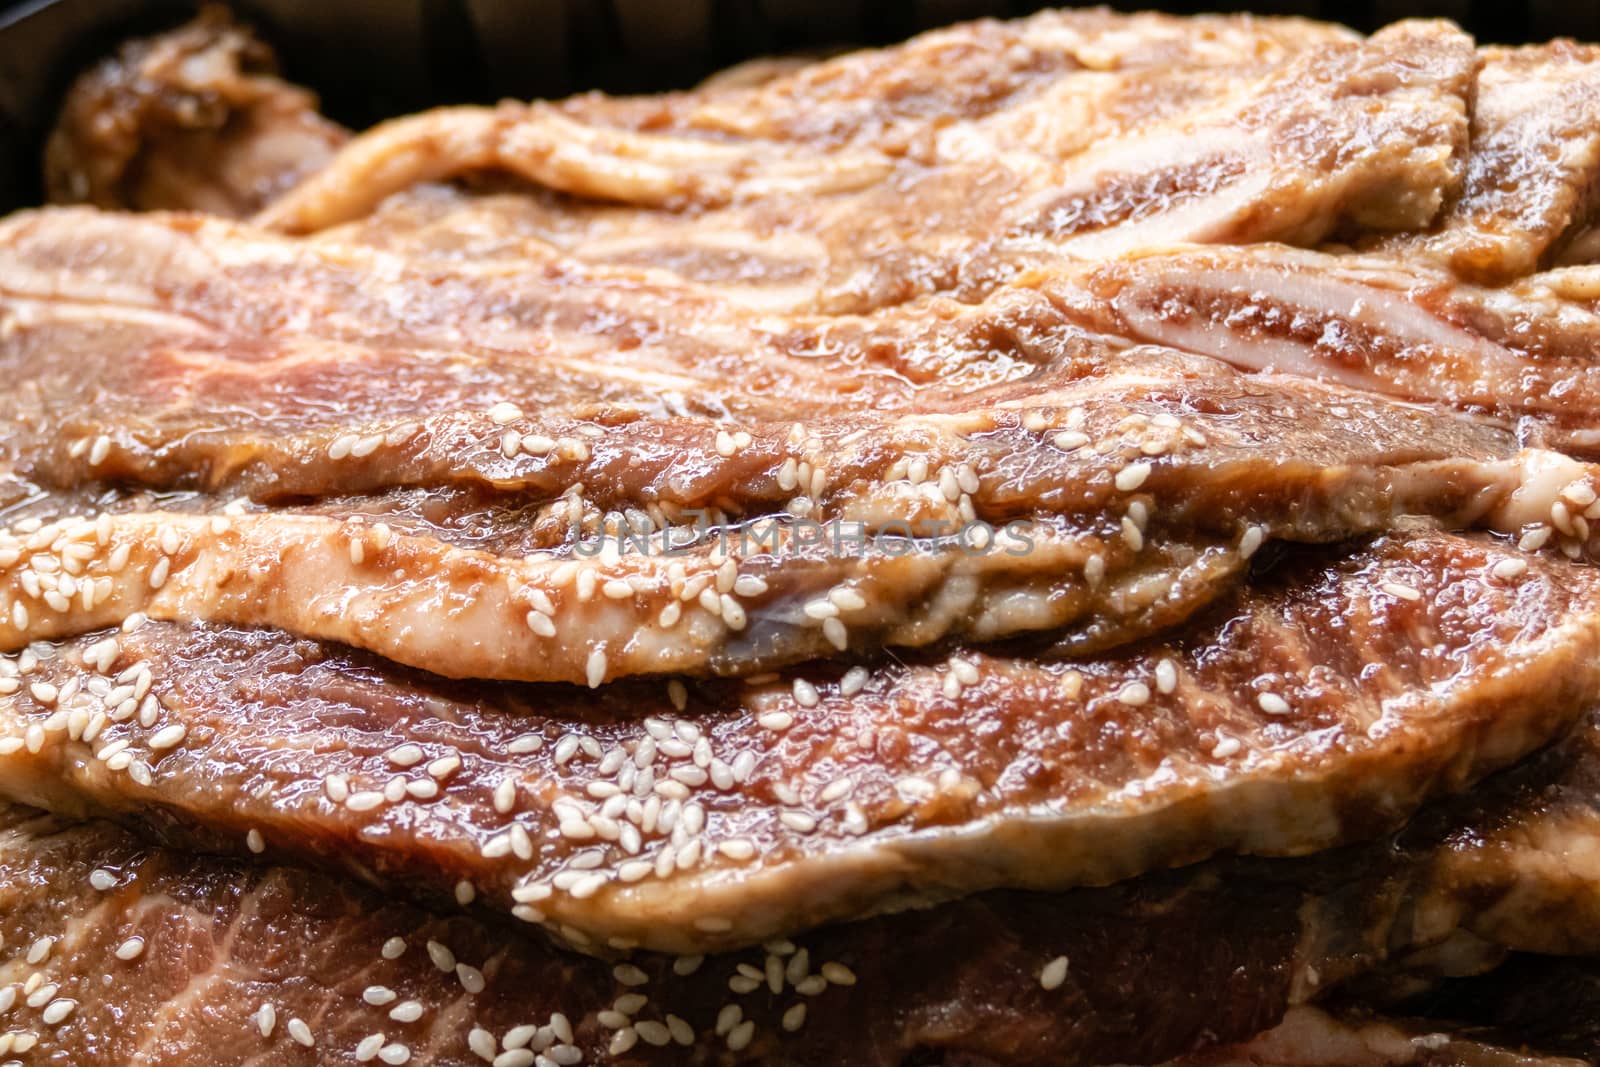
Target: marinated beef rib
(162,955)
(1349,136)
(194,119)
(1140,480)
(1528,197)
(684,819)
(1392,326)
(148,955)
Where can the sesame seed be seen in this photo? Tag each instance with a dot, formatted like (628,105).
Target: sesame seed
(1228,746)
(393,948)
(1272,704)
(623,1040)
(794,1018)
(470,977)
(595,669)
(838,974)
(102,879)
(130,949)
(740,1036)
(1134,694)
(798,821)
(1510,569)
(466,892)
(1054,973)
(1132,477)
(442,957)
(394,1055)
(505,795)
(776,721)
(1132,536)
(255,842)
(1252,540)
(301,1032)
(1166,676)
(482,1043)
(407,755)
(266,1019)
(629,975)
(366,800)
(367,1048)
(504,413)
(1404,592)
(58,1010)
(378,995)
(518,1057)
(805,694)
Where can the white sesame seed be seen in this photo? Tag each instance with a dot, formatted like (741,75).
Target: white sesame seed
(1272,704)
(394,1055)
(838,974)
(470,977)
(393,948)
(130,949)
(442,957)
(367,1048)
(776,721)
(366,800)
(1166,676)
(629,975)
(1054,973)
(444,766)
(378,995)
(1510,569)
(255,842)
(1134,694)
(1227,746)
(482,1043)
(1404,592)
(595,669)
(505,795)
(740,1036)
(407,1011)
(523,1035)
(518,1057)
(805,694)
(168,737)
(301,1032)
(58,1010)
(266,1019)
(504,413)
(102,879)
(1132,477)
(794,1018)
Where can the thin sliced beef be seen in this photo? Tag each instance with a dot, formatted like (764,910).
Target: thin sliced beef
(1524,351)
(1359,134)
(685,817)
(195,120)
(157,955)
(154,956)
(1309,1037)
(1532,171)
(1139,478)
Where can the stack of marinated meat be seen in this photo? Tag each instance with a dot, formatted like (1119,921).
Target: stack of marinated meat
(1066,541)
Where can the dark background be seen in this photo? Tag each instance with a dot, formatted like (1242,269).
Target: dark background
(373,58)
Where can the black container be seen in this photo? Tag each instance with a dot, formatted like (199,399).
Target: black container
(373,58)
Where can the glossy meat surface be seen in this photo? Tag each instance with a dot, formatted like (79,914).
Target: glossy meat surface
(685,819)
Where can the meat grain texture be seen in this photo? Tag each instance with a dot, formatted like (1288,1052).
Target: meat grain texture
(1064,541)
